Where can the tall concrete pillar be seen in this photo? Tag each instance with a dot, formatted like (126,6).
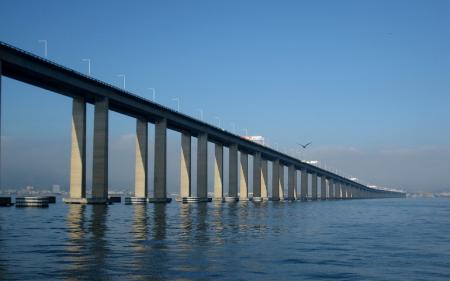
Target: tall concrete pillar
(0,122)
(323,187)
(100,153)
(350,192)
(281,181)
(344,191)
(160,180)
(257,176)
(232,173)
(314,186)
(185,165)
(337,192)
(78,153)
(264,180)
(243,177)
(331,188)
(202,166)
(141,160)
(292,182)
(275,180)
(218,173)
(304,185)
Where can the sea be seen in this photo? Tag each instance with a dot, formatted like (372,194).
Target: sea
(370,239)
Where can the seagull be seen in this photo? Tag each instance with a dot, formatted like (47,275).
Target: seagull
(304,145)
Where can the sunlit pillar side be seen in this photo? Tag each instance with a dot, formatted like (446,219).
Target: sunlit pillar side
(141,159)
(218,172)
(185,165)
(264,180)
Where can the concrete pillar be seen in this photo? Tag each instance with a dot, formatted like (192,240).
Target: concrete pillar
(78,153)
(140,178)
(337,192)
(100,157)
(331,189)
(350,192)
(281,181)
(275,180)
(202,166)
(160,181)
(304,185)
(292,182)
(323,187)
(232,173)
(264,180)
(257,175)
(314,186)
(185,165)
(218,173)
(243,177)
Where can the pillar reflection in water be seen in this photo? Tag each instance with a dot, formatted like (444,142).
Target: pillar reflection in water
(97,244)
(76,232)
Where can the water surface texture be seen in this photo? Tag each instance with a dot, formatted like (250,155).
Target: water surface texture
(382,239)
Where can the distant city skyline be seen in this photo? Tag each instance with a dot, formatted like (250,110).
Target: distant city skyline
(367,82)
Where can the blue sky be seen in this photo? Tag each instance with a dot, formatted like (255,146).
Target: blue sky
(366,81)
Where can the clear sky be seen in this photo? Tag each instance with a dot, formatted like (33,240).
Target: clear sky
(368,82)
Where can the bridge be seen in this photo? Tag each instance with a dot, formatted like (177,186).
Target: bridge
(31,69)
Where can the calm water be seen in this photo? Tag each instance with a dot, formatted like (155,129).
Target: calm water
(385,239)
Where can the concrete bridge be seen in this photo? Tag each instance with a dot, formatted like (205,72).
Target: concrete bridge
(28,68)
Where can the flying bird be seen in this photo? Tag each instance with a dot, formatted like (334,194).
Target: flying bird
(304,145)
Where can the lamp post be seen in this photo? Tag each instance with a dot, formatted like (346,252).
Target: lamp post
(201,113)
(153,94)
(45,46)
(124,81)
(178,103)
(89,65)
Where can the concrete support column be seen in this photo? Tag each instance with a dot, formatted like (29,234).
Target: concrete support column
(160,181)
(304,185)
(323,188)
(331,189)
(257,176)
(344,189)
(264,180)
(292,182)
(314,186)
(78,154)
(281,181)
(0,122)
(243,177)
(100,157)
(276,180)
(337,190)
(185,165)
(202,166)
(140,175)
(218,173)
(232,173)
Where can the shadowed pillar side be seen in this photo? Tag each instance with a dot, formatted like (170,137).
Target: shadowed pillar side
(304,185)
(202,167)
(243,177)
(100,152)
(323,188)
(160,179)
(257,177)
(314,186)
(141,169)
(292,182)
(331,188)
(233,173)
(275,180)
(185,166)
(218,172)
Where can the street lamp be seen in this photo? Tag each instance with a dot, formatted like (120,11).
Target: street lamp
(153,94)
(201,113)
(123,76)
(246,131)
(45,46)
(89,65)
(178,103)
(220,121)
(233,125)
